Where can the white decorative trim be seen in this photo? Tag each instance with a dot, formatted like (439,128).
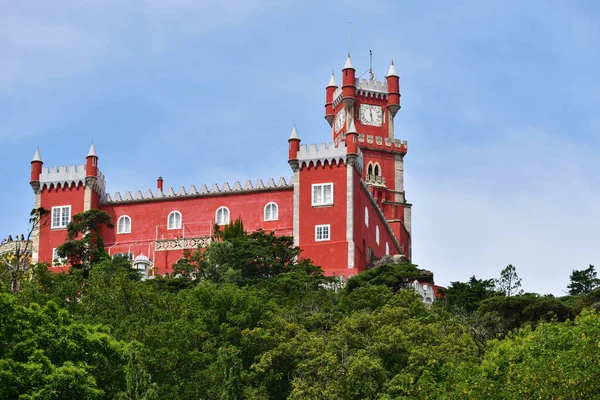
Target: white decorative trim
(312,194)
(328,226)
(350,214)
(119,225)
(276,211)
(217,216)
(178,226)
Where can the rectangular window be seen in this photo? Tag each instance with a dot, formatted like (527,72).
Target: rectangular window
(61,216)
(321,233)
(322,194)
(56,260)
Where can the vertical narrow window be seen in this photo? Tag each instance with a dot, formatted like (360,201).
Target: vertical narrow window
(124,224)
(271,212)
(366,216)
(377,234)
(222,216)
(370,170)
(376,170)
(387,248)
(321,233)
(174,220)
(61,216)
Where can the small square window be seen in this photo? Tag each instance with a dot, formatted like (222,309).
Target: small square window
(61,216)
(321,233)
(56,260)
(322,194)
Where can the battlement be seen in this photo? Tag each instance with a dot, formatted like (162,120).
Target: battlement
(67,176)
(371,87)
(226,188)
(394,144)
(326,152)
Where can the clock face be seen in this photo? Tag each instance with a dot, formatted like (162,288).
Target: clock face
(340,119)
(370,115)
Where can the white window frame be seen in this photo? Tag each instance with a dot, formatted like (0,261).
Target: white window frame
(273,204)
(367,216)
(122,217)
(61,224)
(377,234)
(217,216)
(169,227)
(61,261)
(323,239)
(322,185)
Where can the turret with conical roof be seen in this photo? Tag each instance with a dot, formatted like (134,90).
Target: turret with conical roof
(348,83)
(294,145)
(329,91)
(91,163)
(393,81)
(36,170)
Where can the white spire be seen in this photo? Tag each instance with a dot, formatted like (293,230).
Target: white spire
(332,81)
(348,63)
(92,152)
(294,134)
(37,156)
(392,71)
(352,127)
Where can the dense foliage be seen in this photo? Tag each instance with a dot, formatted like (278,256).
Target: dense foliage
(244,320)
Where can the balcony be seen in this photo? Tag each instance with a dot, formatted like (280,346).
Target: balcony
(375,180)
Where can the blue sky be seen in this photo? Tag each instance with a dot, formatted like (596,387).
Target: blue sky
(499,106)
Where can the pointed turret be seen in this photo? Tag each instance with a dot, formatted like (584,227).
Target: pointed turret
(351,138)
(393,81)
(348,83)
(91,163)
(294,146)
(329,91)
(36,170)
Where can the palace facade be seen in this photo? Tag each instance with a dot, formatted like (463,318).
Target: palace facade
(344,203)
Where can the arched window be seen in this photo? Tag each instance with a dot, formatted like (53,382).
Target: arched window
(366,216)
(271,212)
(377,234)
(222,216)
(174,220)
(124,224)
(370,169)
(376,169)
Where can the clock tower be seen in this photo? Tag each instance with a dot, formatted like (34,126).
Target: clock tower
(370,106)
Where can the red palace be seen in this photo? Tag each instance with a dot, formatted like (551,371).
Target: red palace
(344,204)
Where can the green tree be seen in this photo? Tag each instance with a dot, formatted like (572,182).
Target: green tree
(468,295)
(84,244)
(394,276)
(17,263)
(583,281)
(509,282)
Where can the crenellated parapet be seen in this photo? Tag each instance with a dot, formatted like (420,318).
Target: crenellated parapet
(193,191)
(331,153)
(364,87)
(391,144)
(69,176)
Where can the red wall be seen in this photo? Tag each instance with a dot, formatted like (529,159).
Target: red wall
(149,220)
(332,254)
(52,238)
(365,237)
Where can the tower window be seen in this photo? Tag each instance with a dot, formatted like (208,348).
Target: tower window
(321,233)
(61,216)
(322,194)
(366,216)
(174,220)
(376,170)
(271,212)
(56,260)
(222,216)
(124,224)
(370,169)
(377,234)
(387,248)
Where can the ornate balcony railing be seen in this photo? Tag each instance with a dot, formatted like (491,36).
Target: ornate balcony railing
(375,180)
(182,243)
(15,245)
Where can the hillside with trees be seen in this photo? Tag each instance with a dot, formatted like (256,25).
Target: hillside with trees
(243,319)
